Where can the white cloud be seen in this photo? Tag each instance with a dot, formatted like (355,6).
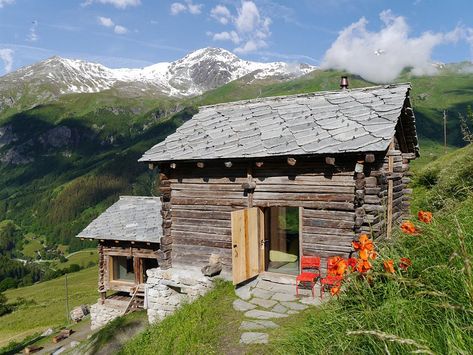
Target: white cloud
(251,30)
(33,34)
(120,30)
(226,36)
(108,22)
(381,56)
(6,55)
(187,6)
(105,21)
(120,4)
(221,14)
(6,2)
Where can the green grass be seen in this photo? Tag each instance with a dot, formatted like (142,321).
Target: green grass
(44,304)
(84,258)
(31,246)
(207,326)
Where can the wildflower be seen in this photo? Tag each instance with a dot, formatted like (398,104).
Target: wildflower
(335,290)
(363,266)
(364,242)
(389,266)
(424,216)
(351,262)
(405,263)
(409,228)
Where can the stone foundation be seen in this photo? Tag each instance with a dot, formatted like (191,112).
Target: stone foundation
(101,314)
(166,290)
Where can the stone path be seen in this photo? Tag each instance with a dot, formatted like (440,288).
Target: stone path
(263,302)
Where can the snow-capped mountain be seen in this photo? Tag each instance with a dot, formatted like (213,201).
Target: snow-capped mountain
(197,72)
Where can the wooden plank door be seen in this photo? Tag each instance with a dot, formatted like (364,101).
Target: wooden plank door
(247,244)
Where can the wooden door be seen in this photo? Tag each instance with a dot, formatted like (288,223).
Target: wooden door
(247,244)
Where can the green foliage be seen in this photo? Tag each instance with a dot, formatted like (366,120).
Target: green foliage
(9,236)
(4,308)
(195,328)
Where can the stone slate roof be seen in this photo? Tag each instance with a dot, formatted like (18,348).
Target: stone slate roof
(356,120)
(131,218)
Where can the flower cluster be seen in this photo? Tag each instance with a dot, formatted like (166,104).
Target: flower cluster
(409,228)
(365,248)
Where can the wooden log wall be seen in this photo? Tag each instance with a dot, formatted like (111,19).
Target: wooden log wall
(202,200)
(375,208)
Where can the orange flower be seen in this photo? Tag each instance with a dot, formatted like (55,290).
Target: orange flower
(409,228)
(335,290)
(351,263)
(366,254)
(389,266)
(363,266)
(424,216)
(363,243)
(405,263)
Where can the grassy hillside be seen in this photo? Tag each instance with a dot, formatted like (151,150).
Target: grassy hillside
(42,306)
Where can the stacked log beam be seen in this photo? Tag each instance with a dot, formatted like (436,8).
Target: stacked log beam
(165,259)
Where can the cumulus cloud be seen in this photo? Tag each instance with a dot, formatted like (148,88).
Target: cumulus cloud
(6,55)
(105,21)
(120,4)
(120,30)
(6,2)
(187,6)
(250,29)
(108,22)
(227,36)
(381,56)
(222,14)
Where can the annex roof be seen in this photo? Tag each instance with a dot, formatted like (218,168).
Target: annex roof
(355,120)
(131,218)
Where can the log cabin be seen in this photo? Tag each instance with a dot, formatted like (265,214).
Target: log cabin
(262,182)
(128,235)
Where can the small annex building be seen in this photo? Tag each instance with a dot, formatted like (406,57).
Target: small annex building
(262,182)
(128,235)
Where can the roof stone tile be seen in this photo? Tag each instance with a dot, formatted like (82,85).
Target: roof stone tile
(325,122)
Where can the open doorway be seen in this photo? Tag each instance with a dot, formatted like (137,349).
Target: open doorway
(282,240)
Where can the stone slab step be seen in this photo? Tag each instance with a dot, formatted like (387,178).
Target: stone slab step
(258,324)
(254,338)
(263,303)
(242,306)
(258,314)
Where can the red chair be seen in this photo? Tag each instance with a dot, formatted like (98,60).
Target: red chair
(332,279)
(312,265)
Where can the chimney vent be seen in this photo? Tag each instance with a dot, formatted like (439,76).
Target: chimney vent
(344,82)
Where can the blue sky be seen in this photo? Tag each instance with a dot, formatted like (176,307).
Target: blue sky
(135,33)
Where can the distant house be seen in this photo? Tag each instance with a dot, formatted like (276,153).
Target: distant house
(129,234)
(262,182)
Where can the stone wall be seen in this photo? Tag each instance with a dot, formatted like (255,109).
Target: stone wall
(167,290)
(101,314)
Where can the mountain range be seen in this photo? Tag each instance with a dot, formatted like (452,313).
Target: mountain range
(202,70)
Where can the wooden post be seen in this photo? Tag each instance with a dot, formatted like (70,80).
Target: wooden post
(249,175)
(389,217)
(67,299)
(445,130)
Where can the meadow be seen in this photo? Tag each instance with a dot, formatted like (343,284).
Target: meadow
(42,306)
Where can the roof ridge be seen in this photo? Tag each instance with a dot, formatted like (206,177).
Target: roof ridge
(312,93)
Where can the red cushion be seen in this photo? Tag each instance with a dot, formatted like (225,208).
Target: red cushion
(330,280)
(307,277)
